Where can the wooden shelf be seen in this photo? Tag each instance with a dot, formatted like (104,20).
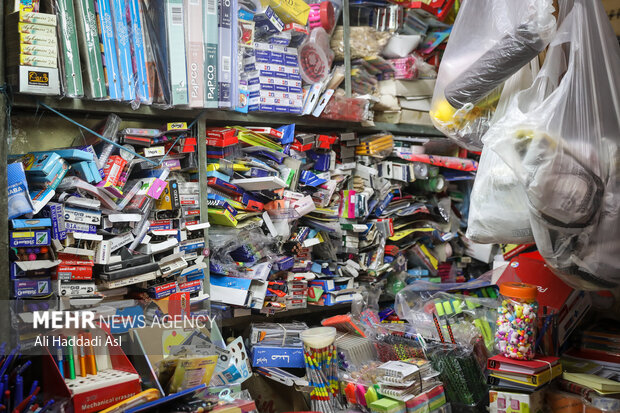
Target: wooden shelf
(220,117)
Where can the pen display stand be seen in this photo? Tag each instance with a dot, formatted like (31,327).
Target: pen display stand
(116,381)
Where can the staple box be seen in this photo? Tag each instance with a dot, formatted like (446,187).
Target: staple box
(82,216)
(268,356)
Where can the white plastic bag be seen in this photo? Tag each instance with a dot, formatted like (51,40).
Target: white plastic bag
(562,144)
(498,211)
(490,41)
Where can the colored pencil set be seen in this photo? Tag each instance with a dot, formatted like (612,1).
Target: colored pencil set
(322,373)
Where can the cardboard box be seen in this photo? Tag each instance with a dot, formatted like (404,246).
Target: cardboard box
(93,393)
(32,238)
(32,288)
(34,80)
(267,356)
(511,402)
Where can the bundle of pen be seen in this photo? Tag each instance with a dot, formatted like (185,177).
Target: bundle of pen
(377,145)
(277,334)
(322,374)
(459,372)
(321,362)
(397,347)
(14,393)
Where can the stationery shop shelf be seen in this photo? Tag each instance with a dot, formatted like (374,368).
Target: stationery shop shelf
(301,312)
(72,106)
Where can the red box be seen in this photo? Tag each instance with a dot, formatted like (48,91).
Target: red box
(302,148)
(101,391)
(221,133)
(267,131)
(71,259)
(74,272)
(112,170)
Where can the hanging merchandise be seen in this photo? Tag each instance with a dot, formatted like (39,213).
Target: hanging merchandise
(315,56)
(562,144)
(498,211)
(490,41)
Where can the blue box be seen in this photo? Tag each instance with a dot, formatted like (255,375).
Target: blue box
(34,238)
(32,288)
(268,356)
(31,223)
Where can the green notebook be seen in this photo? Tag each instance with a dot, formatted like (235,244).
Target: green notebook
(71,68)
(90,49)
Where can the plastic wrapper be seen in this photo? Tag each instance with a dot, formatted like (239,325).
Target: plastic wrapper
(365,41)
(498,211)
(561,139)
(449,317)
(157,54)
(347,109)
(461,374)
(489,43)
(236,252)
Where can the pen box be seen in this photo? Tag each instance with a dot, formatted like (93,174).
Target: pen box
(116,378)
(31,287)
(30,238)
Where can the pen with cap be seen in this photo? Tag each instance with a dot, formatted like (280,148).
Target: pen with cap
(60,360)
(82,357)
(70,361)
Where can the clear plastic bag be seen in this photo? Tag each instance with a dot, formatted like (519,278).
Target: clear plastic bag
(490,42)
(498,211)
(561,139)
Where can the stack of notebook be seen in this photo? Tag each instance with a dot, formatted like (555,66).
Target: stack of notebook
(522,375)
(403,380)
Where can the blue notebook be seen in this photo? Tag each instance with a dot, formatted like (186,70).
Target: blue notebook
(137,47)
(128,80)
(108,48)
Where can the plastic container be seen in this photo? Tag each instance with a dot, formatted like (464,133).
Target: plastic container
(517,320)
(318,337)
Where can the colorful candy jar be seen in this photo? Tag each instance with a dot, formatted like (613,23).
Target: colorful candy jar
(517,320)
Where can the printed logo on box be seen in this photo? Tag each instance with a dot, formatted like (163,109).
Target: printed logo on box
(38,78)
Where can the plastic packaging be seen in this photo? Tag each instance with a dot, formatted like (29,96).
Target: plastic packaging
(489,43)
(448,317)
(364,40)
(315,56)
(517,319)
(498,211)
(561,138)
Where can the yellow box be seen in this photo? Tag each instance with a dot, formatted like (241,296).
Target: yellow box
(289,11)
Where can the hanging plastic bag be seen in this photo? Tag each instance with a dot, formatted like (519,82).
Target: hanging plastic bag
(490,42)
(498,211)
(562,143)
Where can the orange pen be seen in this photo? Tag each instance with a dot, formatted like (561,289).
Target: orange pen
(90,356)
